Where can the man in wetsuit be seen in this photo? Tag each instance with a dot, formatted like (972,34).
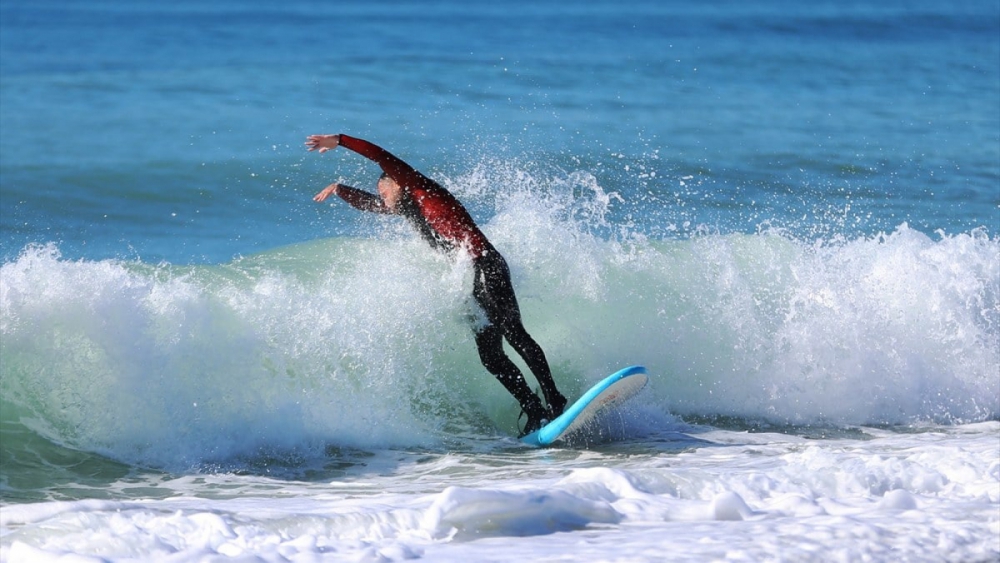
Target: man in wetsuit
(445,224)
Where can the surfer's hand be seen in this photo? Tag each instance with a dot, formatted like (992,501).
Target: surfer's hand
(326,192)
(322,143)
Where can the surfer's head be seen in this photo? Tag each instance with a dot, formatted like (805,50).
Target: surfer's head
(390,191)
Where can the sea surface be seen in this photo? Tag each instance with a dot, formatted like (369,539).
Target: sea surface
(789,212)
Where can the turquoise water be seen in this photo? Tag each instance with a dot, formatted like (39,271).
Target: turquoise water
(787,212)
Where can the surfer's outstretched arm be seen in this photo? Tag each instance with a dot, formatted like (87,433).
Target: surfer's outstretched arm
(358,199)
(401,172)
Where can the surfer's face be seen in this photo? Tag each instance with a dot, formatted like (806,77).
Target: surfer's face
(390,192)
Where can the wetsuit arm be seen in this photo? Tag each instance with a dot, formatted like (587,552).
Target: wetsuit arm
(401,172)
(358,199)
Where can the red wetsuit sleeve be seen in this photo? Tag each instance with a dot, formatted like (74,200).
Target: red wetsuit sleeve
(401,172)
(439,210)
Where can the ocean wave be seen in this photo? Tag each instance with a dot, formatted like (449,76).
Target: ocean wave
(364,342)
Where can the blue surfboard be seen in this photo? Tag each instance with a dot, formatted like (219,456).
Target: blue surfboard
(610,392)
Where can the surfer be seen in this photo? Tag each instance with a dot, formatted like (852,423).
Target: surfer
(445,224)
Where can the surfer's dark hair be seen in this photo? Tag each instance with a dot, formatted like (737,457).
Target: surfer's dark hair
(383,176)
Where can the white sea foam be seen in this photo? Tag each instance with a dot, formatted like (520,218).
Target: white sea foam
(928,496)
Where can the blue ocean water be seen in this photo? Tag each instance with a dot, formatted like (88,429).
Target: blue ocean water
(787,211)
(174,132)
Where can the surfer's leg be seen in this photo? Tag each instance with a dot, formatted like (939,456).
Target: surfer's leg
(494,292)
(534,356)
(489,341)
